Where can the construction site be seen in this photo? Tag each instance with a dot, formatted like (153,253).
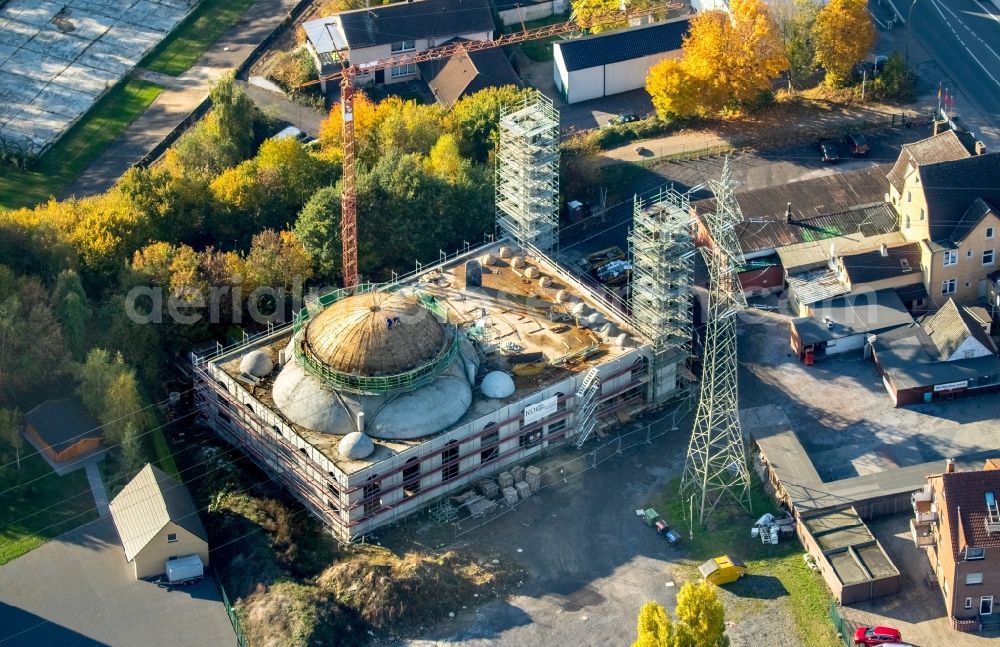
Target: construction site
(435,389)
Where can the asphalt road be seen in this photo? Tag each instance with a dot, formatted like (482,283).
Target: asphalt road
(963,38)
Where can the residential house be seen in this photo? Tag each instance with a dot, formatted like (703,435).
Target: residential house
(614,62)
(518,12)
(156,521)
(947,198)
(945,355)
(381,32)
(63,430)
(460,75)
(957,519)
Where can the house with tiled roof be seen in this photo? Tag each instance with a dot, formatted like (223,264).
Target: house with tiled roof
(614,62)
(452,78)
(944,355)
(957,519)
(948,197)
(366,35)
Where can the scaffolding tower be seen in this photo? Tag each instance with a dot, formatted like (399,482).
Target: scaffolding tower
(716,463)
(662,249)
(527,175)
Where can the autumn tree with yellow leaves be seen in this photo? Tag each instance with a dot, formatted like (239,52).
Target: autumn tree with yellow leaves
(843,34)
(727,62)
(700,622)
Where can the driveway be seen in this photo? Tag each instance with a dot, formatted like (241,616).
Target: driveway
(918,611)
(79,590)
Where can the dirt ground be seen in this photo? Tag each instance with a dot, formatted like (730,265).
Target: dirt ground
(588,563)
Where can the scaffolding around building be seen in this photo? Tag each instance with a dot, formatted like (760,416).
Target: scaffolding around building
(527,174)
(662,248)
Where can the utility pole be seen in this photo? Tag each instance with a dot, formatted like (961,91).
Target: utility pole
(716,463)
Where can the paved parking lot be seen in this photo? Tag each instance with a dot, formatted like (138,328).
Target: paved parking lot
(918,611)
(78,590)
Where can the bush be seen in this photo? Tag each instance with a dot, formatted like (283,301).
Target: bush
(895,82)
(291,69)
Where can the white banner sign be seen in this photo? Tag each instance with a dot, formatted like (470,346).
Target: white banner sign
(951,385)
(543,409)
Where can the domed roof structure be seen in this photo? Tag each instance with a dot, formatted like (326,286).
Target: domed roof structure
(256,363)
(497,384)
(374,334)
(305,402)
(356,445)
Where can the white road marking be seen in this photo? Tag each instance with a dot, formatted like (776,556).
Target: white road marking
(962,43)
(969,29)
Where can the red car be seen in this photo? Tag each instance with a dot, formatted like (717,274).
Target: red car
(869,636)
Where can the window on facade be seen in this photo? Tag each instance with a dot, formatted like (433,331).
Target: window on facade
(968,254)
(906,225)
(909,196)
(373,502)
(171,538)
(988,257)
(949,286)
(529,439)
(974,553)
(411,477)
(561,402)
(950,258)
(559,425)
(639,368)
(489,446)
(921,214)
(969,354)
(449,462)
(403,70)
(973,578)
(968,603)
(990,233)
(404,46)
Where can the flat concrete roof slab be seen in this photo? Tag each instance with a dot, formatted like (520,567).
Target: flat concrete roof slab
(58,44)
(61,100)
(88,80)
(32,12)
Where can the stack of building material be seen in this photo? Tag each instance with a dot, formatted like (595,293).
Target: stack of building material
(517,472)
(478,505)
(510,496)
(488,488)
(506,480)
(533,477)
(523,489)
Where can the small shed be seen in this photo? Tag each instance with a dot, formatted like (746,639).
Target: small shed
(598,66)
(844,324)
(722,570)
(156,521)
(63,430)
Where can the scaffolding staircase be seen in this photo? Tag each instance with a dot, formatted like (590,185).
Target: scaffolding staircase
(587,398)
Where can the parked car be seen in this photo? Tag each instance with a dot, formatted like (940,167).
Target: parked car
(829,152)
(291,132)
(857,144)
(622,119)
(870,636)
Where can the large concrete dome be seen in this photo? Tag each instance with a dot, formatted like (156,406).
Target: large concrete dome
(374,334)
(307,403)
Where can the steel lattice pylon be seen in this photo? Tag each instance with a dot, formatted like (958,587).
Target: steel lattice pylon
(716,460)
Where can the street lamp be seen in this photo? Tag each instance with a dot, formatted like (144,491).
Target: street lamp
(909,31)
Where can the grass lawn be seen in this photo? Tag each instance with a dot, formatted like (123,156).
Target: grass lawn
(77,148)
(728,531)
(73,504)
(189,40)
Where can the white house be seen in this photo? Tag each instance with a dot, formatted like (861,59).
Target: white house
(614,62)
(367,35)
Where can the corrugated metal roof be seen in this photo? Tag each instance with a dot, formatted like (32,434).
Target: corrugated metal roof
(624,45)
(815,285)
(817,252)
(822,208)
(150,501)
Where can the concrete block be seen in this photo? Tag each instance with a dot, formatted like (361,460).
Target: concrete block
(517,472)
(523,489)
(505,479)
(510,495)
(488,488)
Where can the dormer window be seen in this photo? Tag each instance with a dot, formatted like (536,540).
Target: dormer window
(974,553)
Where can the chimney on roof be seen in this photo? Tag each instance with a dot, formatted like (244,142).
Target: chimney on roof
(950,466)
(883,249)
(361,421)
(788,213)
(980,148)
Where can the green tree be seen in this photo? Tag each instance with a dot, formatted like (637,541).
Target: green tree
(94,377)
(475,119)
(70,302)
(10,432)
(595,14)
(318,227)
(795,22)
(277,260)
(132,457)
(702,615)
(654,627)
(122,406)
(843,35)
(33,352)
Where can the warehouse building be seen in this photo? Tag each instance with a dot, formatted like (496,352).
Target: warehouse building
(611,63)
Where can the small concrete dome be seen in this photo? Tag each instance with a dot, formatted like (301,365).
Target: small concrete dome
(356,445)
(532,273)
(488,259)
(505,252)
(256,363)
(517,262)
(578,308)
(595,318)
(497,385)
(621,340)
(544,282)
(563,296)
